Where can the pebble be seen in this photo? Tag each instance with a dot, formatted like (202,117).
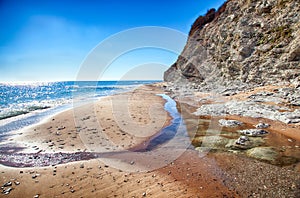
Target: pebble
(262,125)
(17,183)
(144,194)
(36,196)
(7,184)
(82,165)
(7,191)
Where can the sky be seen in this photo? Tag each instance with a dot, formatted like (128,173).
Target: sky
(51,40)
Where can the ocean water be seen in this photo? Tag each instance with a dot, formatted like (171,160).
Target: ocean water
(33,101)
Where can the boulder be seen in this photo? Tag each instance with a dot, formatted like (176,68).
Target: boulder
(245,142)
(268,154)
(212,142)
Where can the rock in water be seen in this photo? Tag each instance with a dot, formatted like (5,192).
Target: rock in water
(268,154)
(230,123)
(254,132)
(245,142)
(262,126)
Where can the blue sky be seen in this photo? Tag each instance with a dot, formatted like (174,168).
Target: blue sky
(49,40)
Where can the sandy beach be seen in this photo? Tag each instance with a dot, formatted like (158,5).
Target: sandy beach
(69,132)
(115,127)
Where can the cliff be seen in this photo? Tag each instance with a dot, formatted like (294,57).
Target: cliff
(250,42)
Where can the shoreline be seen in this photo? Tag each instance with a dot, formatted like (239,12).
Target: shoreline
(120,172)
(96,177)
(75,124)
(69,180)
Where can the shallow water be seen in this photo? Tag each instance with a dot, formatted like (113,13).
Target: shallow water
(168,132)
(287,148)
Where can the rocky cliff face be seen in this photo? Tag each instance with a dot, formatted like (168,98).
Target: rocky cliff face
(253,42)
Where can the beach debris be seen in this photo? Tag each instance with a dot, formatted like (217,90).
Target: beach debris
(72,190)
(17,183)
(132,162)
(229,123)
(36,196)
(254,132)
(144,194)
(262,125)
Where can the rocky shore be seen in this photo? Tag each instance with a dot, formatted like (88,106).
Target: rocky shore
(216,164)
(243,126)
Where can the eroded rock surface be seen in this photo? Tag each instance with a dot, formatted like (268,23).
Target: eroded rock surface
(253,43)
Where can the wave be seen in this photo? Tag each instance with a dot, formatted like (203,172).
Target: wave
(13,113)
(20,98)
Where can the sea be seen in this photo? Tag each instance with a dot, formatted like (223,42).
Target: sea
(23,104)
